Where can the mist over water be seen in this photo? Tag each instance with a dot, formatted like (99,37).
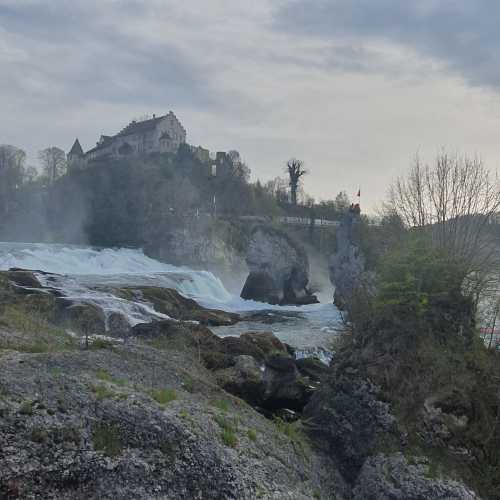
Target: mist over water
(86,274)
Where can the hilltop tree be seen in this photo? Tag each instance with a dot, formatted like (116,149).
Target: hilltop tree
(453,202)
(295,169)
(53,162)
(12,170)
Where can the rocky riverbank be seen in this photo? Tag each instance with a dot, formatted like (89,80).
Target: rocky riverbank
(152,414)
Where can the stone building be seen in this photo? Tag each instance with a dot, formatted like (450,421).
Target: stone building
(163,134)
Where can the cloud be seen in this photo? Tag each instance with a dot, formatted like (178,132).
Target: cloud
(463,34)
(353,88)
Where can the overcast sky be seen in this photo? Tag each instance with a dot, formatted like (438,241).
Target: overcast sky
(352,87)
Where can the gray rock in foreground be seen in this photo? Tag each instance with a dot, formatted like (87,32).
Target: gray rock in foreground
(99,424)
(392,477)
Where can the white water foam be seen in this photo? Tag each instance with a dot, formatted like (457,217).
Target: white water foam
(84,271)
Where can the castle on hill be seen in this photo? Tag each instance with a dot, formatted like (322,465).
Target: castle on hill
(162,134)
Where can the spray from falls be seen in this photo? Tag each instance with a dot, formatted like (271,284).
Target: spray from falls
(89,275)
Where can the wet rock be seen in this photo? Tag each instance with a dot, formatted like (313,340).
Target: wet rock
(175,335)
(244,379)
(273,386)
(23,278)
(284,387)
(118,325)
(392,477)
(279,269)
(266,341)
(237,346)
(312,368)
(87,319)
(170,302)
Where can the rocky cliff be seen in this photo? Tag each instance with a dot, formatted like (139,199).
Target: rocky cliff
(279,269)
(347,264)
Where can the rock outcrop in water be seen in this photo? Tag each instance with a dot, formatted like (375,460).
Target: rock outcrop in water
(347,265)
(279,269)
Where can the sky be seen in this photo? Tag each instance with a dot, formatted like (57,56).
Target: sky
(354,88)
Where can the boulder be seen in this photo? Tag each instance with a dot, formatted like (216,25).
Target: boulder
(88,319)
(237,346)
(23,278)
(312,368)
(393,477)
(272,386)
(349,418)
(266,341)
(118,325)
(180,336)
(279,269)
(245,379)
(284,387)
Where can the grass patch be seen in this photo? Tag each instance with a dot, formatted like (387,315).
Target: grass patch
(293,431)
(188,384)
(229,429)
(106,438)
(229,438)
(97,344)
(38,334)
(102,392)
(252,435)
(163,396)
(222,405)
(105,376)
(55,372)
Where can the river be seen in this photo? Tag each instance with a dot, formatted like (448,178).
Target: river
(86,274)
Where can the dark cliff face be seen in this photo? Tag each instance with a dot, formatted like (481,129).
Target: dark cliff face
(347,265)
(279,269)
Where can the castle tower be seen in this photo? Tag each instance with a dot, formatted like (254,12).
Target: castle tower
(76,157)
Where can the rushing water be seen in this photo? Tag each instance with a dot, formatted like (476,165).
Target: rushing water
(86,274)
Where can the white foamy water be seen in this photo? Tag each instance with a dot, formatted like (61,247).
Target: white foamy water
(85,272)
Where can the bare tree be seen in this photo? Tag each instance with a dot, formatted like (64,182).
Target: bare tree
(53,162)
(454,201)
(12,171)
(295,169)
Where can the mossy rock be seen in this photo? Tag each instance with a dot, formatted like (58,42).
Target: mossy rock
(88,319)
(23,278)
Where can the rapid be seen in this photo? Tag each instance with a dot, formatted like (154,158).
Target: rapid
(86,274)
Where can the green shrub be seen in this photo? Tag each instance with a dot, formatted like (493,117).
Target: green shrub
(163,396)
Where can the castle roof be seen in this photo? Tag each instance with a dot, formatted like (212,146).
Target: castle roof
(76,149)
(140,127)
